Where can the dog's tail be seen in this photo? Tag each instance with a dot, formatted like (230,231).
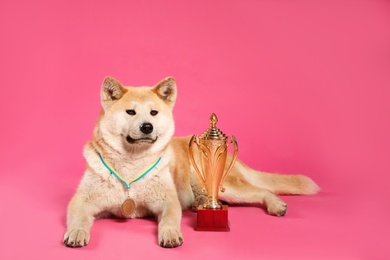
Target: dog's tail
(289,184)
(278,183)
(281,184)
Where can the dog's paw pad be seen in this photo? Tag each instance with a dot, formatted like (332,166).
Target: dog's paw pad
(277,209)
(170,238)
(76,238)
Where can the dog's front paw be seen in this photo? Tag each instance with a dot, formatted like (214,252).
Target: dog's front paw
(170,238)
(277,208)
(76,237)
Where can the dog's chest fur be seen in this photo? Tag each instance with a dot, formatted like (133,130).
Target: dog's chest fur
(148,190)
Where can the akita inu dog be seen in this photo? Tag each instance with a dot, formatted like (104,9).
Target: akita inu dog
(133,140)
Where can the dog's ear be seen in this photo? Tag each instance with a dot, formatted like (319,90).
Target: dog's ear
(112,90)
(166,90)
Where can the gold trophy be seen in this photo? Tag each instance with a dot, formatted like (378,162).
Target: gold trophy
(212,153)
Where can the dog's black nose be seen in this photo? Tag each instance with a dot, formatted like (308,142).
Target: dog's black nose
(146,128)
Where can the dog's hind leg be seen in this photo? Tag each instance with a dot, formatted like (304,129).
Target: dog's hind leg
(248,186)
(244,193)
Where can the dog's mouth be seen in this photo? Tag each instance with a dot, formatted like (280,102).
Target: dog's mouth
(149,140)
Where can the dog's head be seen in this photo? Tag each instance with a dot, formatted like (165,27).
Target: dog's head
(137,119)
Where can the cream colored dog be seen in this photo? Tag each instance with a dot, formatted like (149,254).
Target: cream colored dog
(135,131)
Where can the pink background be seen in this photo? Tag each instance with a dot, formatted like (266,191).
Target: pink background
(303,85)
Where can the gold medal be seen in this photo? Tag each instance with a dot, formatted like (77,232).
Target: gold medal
(128,207)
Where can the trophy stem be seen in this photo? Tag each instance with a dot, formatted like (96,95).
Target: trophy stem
(212,203)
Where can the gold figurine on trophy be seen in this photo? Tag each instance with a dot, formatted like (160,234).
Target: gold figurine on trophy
(212,150)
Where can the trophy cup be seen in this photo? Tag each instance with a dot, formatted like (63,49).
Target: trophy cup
(212,153)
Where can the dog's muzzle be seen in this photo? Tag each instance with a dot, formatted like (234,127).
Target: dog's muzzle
(146,129)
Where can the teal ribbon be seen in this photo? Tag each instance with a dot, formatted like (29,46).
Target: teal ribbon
(127,184)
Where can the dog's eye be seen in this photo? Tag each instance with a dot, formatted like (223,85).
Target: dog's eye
(131,112)
(154,112)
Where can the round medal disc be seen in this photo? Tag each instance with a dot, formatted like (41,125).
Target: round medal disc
(128,207)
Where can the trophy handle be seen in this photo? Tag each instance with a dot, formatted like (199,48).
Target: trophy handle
(192,159)
(234,141)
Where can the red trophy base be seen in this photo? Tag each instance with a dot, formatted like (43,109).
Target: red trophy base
(212,219)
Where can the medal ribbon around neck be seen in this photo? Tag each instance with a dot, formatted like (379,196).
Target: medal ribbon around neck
(127,184)
(128,207)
